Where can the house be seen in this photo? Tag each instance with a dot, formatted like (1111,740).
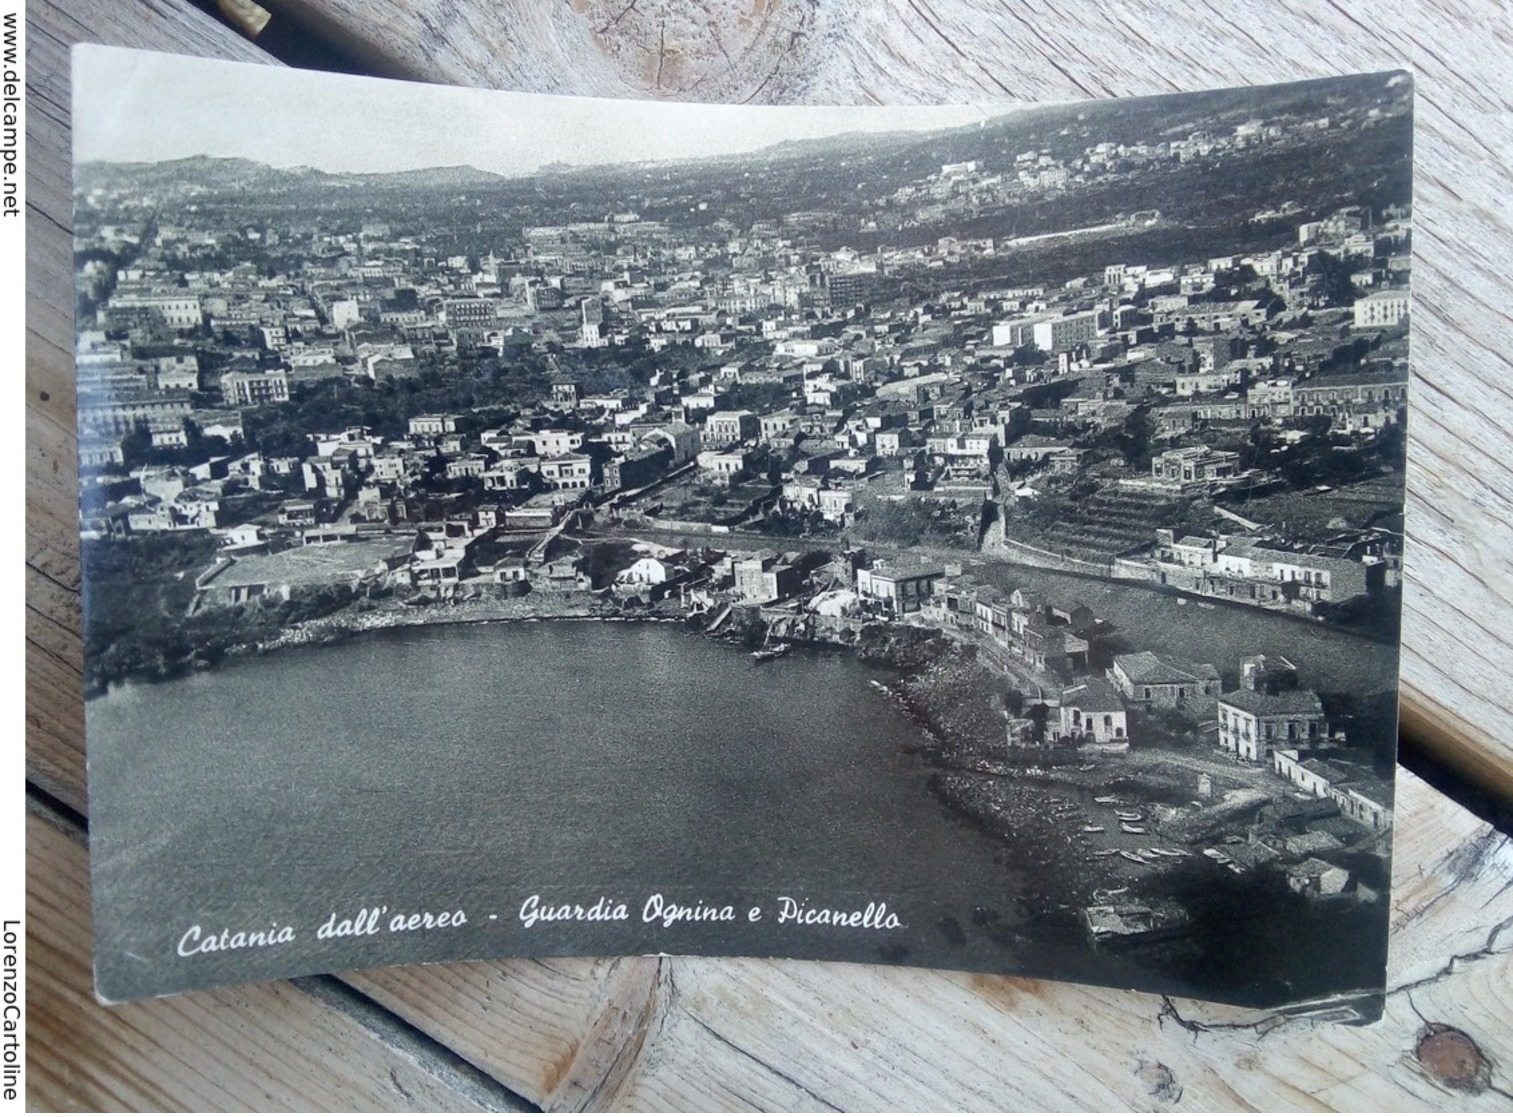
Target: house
(1049,647)
(1253,723)
(1195,464)
(637,468)
(1307,772)
(507,570)
(432,425)
(725,428)
(537,513)
(1055,335)
(901,590)
(1315,877)
(469,465)
(1288,577)
(387,467)
(118,412)
(178,374)
(190,510)
(1382,308)
(1359,797)
(554,443)
(777,424)
(297,513)
(766,579)
(1035,447)
(1162,682)
(1198,551)
(725,465)
(834,505)
(892,443)
(1370,810)
(568,471)
(1270,673)
(241,537)
(437,567)
(1092,712)
(510,473)
(645,571)
(251,389)
(565,573)
(100,452)
(993,615)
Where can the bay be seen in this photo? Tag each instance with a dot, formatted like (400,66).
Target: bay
(471,767)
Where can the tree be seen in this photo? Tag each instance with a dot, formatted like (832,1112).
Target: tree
(904,522)
(1135,439)
(136,445)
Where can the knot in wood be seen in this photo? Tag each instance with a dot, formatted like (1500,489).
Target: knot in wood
(1159,1081)
(704,50)
(1453,1059)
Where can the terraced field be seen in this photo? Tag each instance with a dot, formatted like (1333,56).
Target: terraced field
(1100,527)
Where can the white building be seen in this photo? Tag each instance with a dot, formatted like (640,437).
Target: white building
(1252,724)
(1382,308)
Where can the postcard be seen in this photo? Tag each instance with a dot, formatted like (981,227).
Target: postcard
(959,537)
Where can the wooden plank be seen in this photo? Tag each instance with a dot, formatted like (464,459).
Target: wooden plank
(555,1030)
(588,1033)
(1458,604)
(271,1046)
(694,1033)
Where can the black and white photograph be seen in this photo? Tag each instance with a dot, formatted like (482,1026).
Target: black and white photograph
(524,526)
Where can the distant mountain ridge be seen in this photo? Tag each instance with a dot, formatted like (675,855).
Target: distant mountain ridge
(225,172)
(1064,128)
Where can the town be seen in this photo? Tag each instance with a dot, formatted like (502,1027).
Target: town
(881,419)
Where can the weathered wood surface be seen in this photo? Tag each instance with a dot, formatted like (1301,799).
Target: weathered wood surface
(638,1032)
(1459,602)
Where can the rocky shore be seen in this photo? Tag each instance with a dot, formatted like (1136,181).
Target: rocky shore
(1080,828)
(395,613)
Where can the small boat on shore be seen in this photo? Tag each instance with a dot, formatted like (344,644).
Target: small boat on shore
(1106,799)
(1092,829)
(1128,828)
(1105,853)
(1128,816)
(1135,857)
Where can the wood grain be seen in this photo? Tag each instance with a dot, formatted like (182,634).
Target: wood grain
(1458,608)
(637,1032)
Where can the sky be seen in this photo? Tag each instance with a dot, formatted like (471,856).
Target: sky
(138,106)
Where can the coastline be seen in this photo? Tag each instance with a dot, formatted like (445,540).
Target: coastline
(1052,811)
